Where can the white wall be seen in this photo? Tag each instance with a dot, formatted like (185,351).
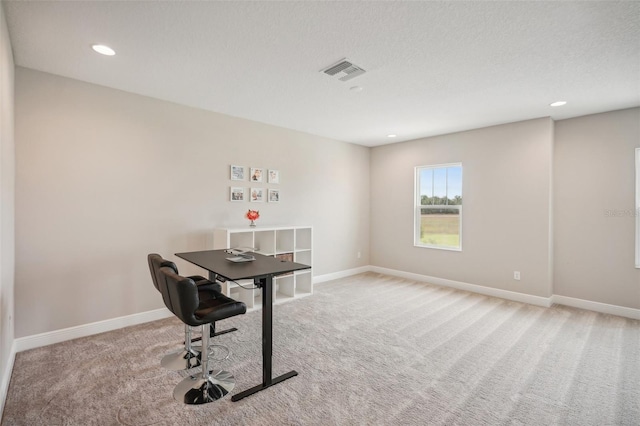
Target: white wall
(7,184)
(578,171)
(595,208)
(506,206)
(105,177)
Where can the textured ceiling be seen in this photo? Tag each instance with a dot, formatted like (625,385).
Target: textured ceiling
(432,67)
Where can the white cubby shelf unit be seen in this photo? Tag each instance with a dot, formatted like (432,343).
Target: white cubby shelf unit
(288,242)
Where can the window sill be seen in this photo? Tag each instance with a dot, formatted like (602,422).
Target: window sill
(438,247)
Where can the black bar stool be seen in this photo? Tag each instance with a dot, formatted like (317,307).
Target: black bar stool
(185,302)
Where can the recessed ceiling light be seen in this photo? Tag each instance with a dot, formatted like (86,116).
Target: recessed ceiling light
(558,103)
(356,89)
(104,50)
(391,136)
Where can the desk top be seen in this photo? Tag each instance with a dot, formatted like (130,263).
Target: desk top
(215,261)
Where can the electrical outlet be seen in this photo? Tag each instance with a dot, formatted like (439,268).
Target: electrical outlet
(516,275)
(359,255)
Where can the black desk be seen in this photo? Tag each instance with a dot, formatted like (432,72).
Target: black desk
(262,270)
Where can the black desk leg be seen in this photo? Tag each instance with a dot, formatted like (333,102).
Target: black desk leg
(267,342)
(267,329)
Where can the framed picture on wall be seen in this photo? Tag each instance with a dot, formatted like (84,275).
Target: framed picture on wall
(236,194)
(237,172)
(256,174)
(274,195)
(274,176)
(257,195)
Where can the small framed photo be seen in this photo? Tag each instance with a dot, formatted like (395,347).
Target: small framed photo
(256,174)
(274,195)
(237,172)
(236,194)
(274,176)
(257,195)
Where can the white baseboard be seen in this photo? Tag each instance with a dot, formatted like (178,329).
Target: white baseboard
(57,336)
(604,308)
(6,377)
(340,274)
(474,288)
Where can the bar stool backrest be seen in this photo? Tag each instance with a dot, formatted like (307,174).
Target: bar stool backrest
(181,296)
(155,263)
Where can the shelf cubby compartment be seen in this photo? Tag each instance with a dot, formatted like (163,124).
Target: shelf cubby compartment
(284,287)
(303,239)
(257,300)
(240,239)
(223,239)
(304,283)
(247,295)
(285,240)
(303,257)
(265,242)
(234,293)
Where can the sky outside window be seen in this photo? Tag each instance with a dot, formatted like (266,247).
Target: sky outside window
(454,181)
(441,182)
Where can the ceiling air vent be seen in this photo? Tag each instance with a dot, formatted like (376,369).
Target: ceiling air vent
(344,70)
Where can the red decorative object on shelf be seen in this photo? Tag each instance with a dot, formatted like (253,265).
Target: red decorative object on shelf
(252,215)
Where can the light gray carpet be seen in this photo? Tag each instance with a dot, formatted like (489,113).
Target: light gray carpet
(370,350)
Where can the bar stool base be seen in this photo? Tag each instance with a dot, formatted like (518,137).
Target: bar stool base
(199,390)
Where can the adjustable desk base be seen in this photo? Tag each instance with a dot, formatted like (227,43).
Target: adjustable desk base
(266,283)
(255,389)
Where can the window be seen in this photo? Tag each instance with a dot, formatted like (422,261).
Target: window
(438,207)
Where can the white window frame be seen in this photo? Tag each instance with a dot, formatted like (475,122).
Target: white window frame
(417,207)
